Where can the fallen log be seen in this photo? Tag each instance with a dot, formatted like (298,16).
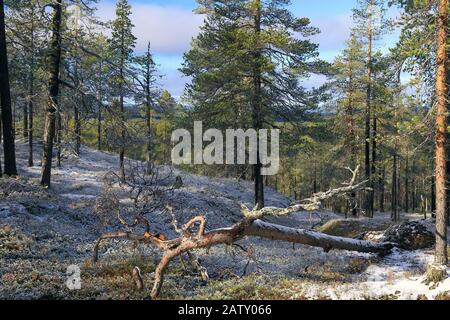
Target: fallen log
(251,225)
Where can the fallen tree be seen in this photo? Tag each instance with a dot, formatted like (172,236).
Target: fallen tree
(251,225)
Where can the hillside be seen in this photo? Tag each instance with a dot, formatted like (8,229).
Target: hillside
(42,232)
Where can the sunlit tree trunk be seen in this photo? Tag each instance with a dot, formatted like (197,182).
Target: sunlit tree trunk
(441,128)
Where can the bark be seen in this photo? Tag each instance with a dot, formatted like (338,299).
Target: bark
(381,180)
(394,194)
(374,164)
(58,134)
(77,97)
(77,127)
(433,194)
(407,183)
(54,61)
(25,120)
(31,93)
(31,115)
(9,151)
(99,113)
(441,128)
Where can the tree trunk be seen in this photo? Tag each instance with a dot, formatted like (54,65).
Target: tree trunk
(407,183)
(31,114)
(54,61)
(25,120)
(257,228)
(10,168)
(122,111)
(441,128)
(77,126)
(257,106)
(433,195)
(58,133)
(31,93)
(148,111)
(100,106)
(369,196)
(381,179)
(352,134)
(374,165)
(394,195)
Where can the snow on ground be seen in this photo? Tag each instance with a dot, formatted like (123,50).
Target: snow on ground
(60,227)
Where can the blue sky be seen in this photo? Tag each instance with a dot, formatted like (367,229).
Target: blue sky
(171,24)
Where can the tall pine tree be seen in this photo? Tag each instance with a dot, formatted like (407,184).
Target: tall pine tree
(235,66)
(122,43)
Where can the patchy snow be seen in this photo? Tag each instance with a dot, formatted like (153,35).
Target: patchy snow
(64,226)
(401,274)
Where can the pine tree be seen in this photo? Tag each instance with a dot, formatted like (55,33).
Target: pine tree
(233,63)
(441,257)
(122,43)
(5,97)
(347,83)
(54,62)
(147,71)
(368,17)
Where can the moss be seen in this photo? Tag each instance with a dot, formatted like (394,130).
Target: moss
(252,287)
(357,265)
(435,273)
(13,240)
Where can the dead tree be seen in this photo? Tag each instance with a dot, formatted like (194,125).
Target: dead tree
(251,225)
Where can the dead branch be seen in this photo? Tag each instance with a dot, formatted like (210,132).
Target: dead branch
(251,226)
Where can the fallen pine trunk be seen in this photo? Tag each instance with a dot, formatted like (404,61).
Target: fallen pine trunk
(251,225)
(316,239)
(247,227)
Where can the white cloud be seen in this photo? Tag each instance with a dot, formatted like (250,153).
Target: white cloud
(168,28)
(334,32)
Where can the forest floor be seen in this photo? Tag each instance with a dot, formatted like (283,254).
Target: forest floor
(42,232)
